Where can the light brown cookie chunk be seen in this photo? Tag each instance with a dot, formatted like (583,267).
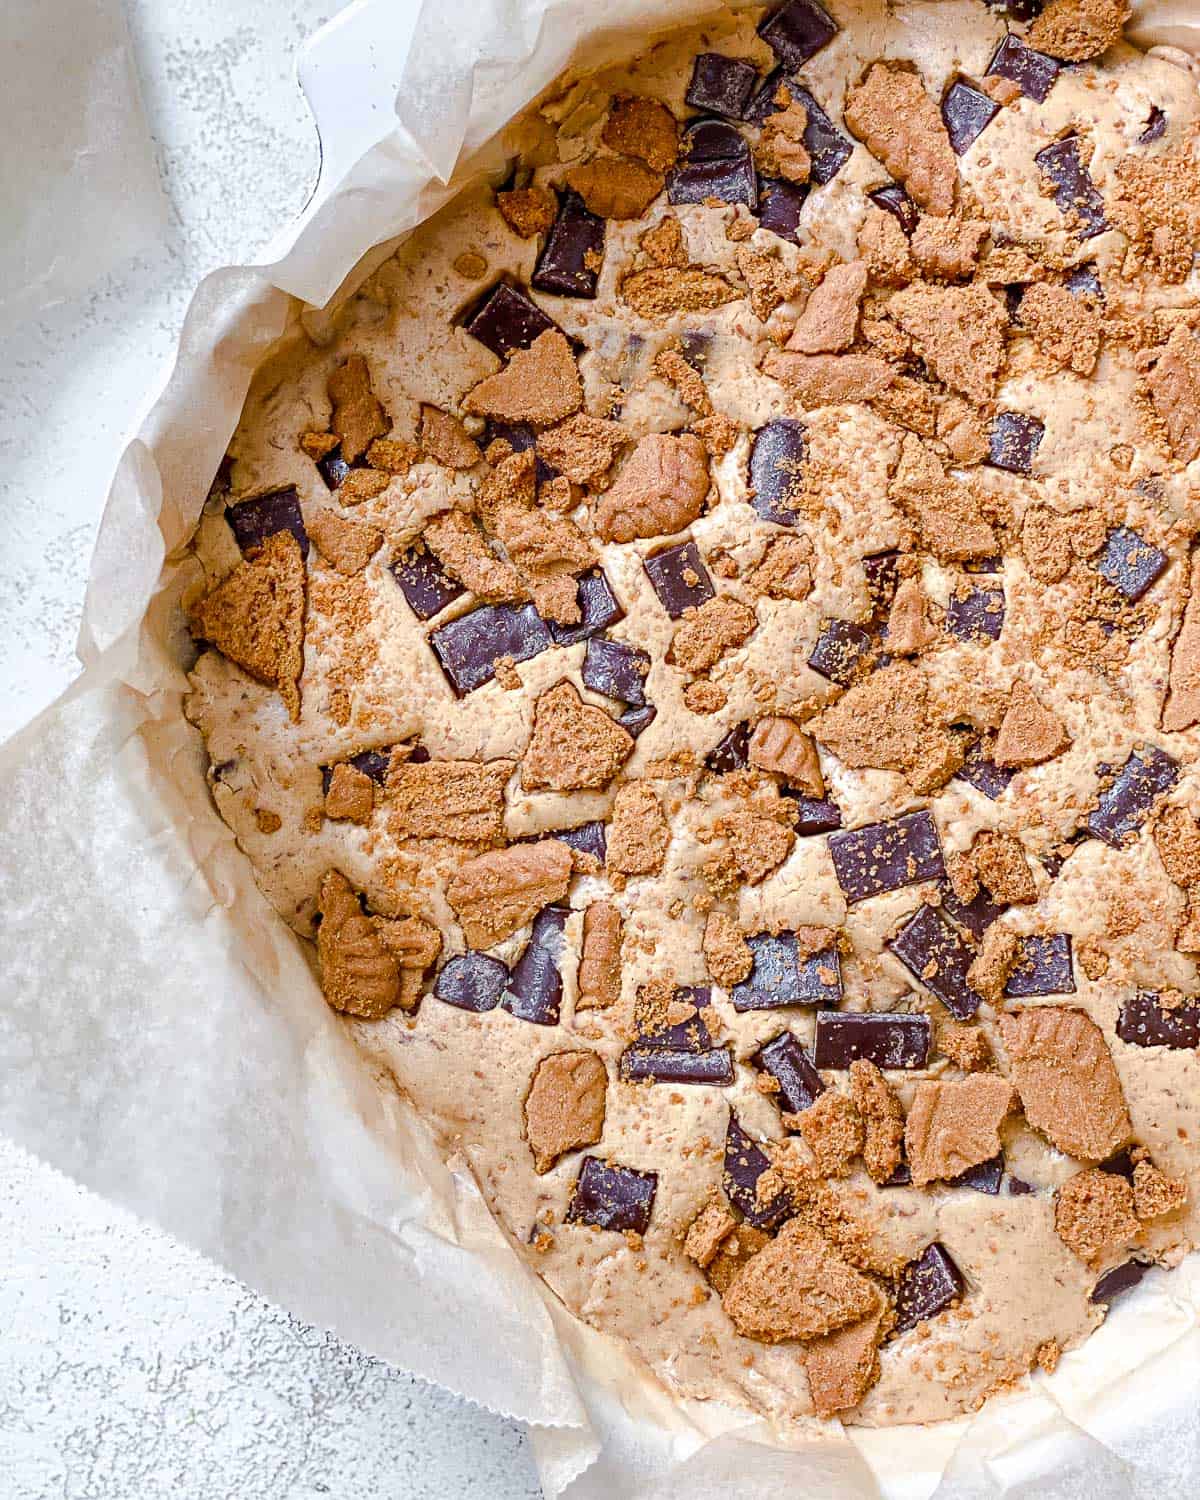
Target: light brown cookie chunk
(564,1108)
(359,975)
(539,385)
(1064,327)
(779,744)
(351,794)
(948,514)
(707,1232)
(992,966)
(600,957)
(496,893)
(659,490)
(718,626)
(1177,838)
(953,1126)
(1182,707)
(1075,30)
(898,122)
(357,416)
(883,1119)
(1030,733)
(1064,1073)
(1174,386)
(615,189)
(728,958)
(574,745)
(797,1287)
(643,128)
(830,317)
(347,545)
(528,211)
(959,332)
(833,1129)
(583,448)
(1094,1215)
(843,1366)
(638,835)
(445,438)
(448,799)
(1154,1193)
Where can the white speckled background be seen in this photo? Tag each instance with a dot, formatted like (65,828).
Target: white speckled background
(128,1366)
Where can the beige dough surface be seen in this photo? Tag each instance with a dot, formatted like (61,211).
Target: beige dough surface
(371,680)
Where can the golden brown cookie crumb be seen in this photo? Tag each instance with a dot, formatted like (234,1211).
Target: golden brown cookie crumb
(718,626)
(1047,1355)
(268,822)
(967,1047)
(528,211)
(797,1287)
(582,449)
(830,317)
(1094,1216)
(615,189)
(704,697)
(843,1366)
(351,794)
(958,331)
(564,1108)
(540,385)
(574,745)
(885,248)
(780,151)
(780,745)
(785,571)
(1154,1193)
(445,438)
(910,629)
(660,489)
(769,279)
(389,456)
(357,416)
(1182,707)
(663,243)
(600,957)
(882,1116)
(735,1250)
(728,958)
(449,799)
(829,379)
(759,845)
(459,545)
(956,1125)
(362,484)
(1064,327)
(657,293)
(946,510)
(707,1231)
(1075,30)
(496,893)
(1064,1073)
(993,964)
(1029,732)
(643,128)
(948,248)
(889,722)
(358,973)
(1174,386)
(1177,838)
(638,834)
(1002,866)
(347,545)
(900,125)
(833,1129)
(1046,542)
(318,445)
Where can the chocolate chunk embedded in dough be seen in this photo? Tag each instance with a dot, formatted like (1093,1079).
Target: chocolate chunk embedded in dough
(616,669)
(1156,127)
(1130,563)
(928,1285)
(535,987)
(827,147)
(976,915)
(1119,1279)
(732,753)
(977,616)
(889,1040)
(782,975)
(472,981)
(679,578)
(1043,967)
(984,1177)
(1128,799)
(936,956)
(634,720)
(842,649)
(797,31)
(587,838)
(253,521)
(792,1069)
(721,85)
(776,467)
(745,1163)
(425,583)
(1033,72)
(506,320)
(608,1196)
(779,206)
(1145,1021)
(1074,191)
(983,773)
(1013,441)
(666,1065)
(715,163)
(894,200)
(569,265)
(885,856)
(814,814)
(966,114)
(469,647)
(598,609)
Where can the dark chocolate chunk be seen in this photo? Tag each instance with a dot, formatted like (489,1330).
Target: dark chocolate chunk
(935,954)
(1127,801)
(253,521)
(1130,563)
(1074,191)
(634,720)
(966,113)
(1120,1164)
(732,753)
(691,1035)
(826,145)
(841,649)
(1033,72)
(694,345)
(776,463)
(762,101)
(1018,1187)
(885,856)
(425,583)
(894,200)
(978,616)
(889,1039)
(679,578)
(1084,282)
(798,30)
(567,266)
(1145,1022)
(814,814)
(1156,127)
(1119,1279)
(587,838)
(598,608)
(665,1065)
(779,205)
(715,163)
(721,85)
(1043,967)
(333,468)
(983,1177)
(983,773)
(535,988)
(472,981)
(792,1069)
(1013,440)
(745,1162)
(901,1177)
(883,578)
(976,915)
(927,1286)
(612,1197)
(469,647)
(616,669)
(782,976)
(507,320)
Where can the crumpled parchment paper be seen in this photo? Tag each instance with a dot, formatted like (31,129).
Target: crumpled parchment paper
(162,1038)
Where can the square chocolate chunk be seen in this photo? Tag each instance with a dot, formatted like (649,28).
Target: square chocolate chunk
(781,976)
(779,205)
(253,521)
(1074,191)
(472,981)
(1130,564)
(598,609)
(569,263)
(978,616)
(797,31)
(1013,441)
(983,1177)
(842,649)
(1146,1022)
(927,1287)
(732,753)
(792,1069)
(1043,967)
(1033,72)
(679,578)
(535,987)
(745,1163)
(776,470)
(827,147)
(587,838)
(608,1196)
(1128,800)
(425,583)
(1083,281)
(889,1039)
(721,85)
(634,720)
(934,953)
(966,114)
(983,773)
(507,320)
(469,647)
(616,669)
(885,856)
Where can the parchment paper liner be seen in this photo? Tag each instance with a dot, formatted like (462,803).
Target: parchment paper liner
(162,1038)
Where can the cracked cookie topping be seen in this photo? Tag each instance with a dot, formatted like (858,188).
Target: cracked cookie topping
(703,649)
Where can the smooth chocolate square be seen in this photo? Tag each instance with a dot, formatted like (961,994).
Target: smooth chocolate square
(1145,1022)
(616,669)
(966,114)
(976,617)
(598,608)
(779,205)
(885,856)
(792,1069)
(635,720)
(935,954)
(507,320)
(1074,191)
(469,647)
(568,264)
(665,1065)
(842,649)
(889,1039)
(814,815)
(732,753)
(425,583)
(609,1196)
(927,1286)
(715,162)
(1043,967)
(679,578)
(1033,72)
(782,976)
(797,31)
(535,986)
(253,521)
(1013,440)
(1128,799)
(1129,563)
(472,981)
(777,469)
(745,1162)
(721,85)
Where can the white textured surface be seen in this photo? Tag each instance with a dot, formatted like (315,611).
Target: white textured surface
(128,1366)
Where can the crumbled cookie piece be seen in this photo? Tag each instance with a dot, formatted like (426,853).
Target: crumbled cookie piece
(462,549)
(833,1129)
(992,966)
(494,894)
(785,571)
(1093,1214)
(900,125)
(704,697)
(1177,838)
(830,379)
(351,794)
(734,1251)
(389,456)
(638,834)
(718,434)
(268,822)
(946,511)
(574,745)
(1174,386)
(961,428)
(347,545)
(780,151)
(600,957)
(256,617)
(888,722)
(318,445)
(358,973)
(415,945)
(1047,1355)
(584,448)
(947,248)
(357,416)
(719,625)
(676,371)
(883,1119)
(615,189)
(449,799)
(1076,30)
(797,1287)
(363,484)
(1182,707)
(663,243)
(528,211)
(1029,732)
(711,1227)
(1154,1193)
(1064,1073)
(564,1108)
(843,1366)
(1065,328)
(956,1125)
(728,958)
(829,321)
(539,385)
(770,280)
(643,128)
(885,248)
(659,490)
(909,628)
(1046,542)
(759,845)
(959,332)
(659,292)
(779,745)
(1002,866)
(445,438)
(549,551)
